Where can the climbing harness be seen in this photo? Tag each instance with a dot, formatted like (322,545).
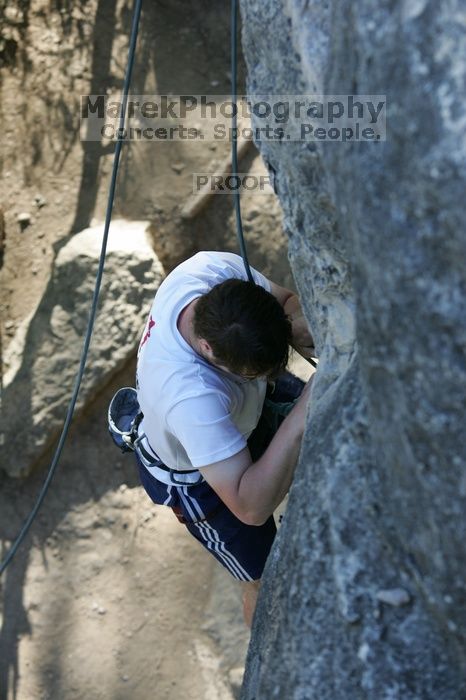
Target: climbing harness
(124,417)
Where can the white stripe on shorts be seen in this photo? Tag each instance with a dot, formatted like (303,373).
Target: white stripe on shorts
(213,546)
(189,508)
(193,502)
(169,492)
(230,554)
(212,538)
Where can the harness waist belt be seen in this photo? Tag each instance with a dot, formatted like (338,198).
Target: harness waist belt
(158,463)
(159,470)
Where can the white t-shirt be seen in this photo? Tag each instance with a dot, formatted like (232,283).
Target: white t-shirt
(194,414)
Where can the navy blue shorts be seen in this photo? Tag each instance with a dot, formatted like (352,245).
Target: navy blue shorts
(240,548)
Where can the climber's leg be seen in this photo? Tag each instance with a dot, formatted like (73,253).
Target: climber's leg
(250,593)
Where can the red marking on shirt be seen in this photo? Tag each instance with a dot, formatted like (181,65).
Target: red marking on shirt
(147,335)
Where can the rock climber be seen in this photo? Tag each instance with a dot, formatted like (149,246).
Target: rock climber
(215,443)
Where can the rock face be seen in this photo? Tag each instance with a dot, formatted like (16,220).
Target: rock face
(364,592)
(43,359)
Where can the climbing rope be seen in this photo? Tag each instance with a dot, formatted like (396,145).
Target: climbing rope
(234,139)
(234,145)
(90,326)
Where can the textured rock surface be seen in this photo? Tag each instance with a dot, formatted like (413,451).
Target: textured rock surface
(43,358)
(378,250)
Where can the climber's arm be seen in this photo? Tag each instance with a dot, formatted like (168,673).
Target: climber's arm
(302,339)
(253,490)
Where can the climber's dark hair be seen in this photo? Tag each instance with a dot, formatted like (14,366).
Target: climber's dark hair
(245,326)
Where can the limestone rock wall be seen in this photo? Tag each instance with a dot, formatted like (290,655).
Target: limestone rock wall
(364,593)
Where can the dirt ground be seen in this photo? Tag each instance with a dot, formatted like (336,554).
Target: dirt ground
(109,598)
